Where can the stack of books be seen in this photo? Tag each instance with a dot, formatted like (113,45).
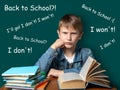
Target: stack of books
(25,77)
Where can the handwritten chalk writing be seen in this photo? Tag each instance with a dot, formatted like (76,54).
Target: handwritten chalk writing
(15,37)
(17,28)
(17,50)
(94,11)
(27,39)
(11,8)
(31,39)
(43,8)
(51,15)
(38,41)
(31,8)
(45,18)
(86,7)
(98,13)
(29,23)
(103,29)
(107,44)
(24,8)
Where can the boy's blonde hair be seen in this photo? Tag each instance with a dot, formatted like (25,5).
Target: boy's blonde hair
(71,20)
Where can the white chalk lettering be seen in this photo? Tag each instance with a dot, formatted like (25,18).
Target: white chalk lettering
(107,44)
(17,50)
(11,8)
(103,29)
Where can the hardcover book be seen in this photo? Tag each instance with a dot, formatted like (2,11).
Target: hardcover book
(21,71)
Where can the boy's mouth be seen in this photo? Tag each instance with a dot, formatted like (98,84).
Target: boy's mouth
(68,43)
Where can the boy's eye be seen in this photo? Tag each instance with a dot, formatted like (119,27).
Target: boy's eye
(64,32)
(74,33)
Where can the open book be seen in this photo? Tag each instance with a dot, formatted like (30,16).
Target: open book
(90,73)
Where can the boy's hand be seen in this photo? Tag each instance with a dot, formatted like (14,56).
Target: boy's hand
(57,44)
(54,72)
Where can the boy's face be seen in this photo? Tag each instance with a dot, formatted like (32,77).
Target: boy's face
(69,36)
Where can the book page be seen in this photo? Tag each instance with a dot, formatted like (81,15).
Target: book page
(69,77)
(96,73)
(18,84)
(99,75)
(93,67)
(16,77)
(101,79)
(85,68)
(101,83)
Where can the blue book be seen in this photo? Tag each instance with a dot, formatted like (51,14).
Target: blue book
(21,71)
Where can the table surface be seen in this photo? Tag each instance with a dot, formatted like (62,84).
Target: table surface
(54,86)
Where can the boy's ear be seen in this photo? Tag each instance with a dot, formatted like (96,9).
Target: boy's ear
(81,34)
(58,32)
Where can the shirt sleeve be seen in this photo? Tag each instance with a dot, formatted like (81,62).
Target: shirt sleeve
(45,60)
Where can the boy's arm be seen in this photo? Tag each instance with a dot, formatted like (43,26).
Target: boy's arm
(55,72)
(45,60)
(57,44)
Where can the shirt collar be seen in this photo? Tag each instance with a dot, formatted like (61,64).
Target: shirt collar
(77,54)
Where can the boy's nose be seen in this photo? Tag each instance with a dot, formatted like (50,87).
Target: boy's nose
(69,36)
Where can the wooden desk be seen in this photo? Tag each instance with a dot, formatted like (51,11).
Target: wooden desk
(54,86)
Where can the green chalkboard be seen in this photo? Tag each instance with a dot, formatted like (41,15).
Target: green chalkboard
(28,28)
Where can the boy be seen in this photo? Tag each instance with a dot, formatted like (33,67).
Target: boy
(64,55)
